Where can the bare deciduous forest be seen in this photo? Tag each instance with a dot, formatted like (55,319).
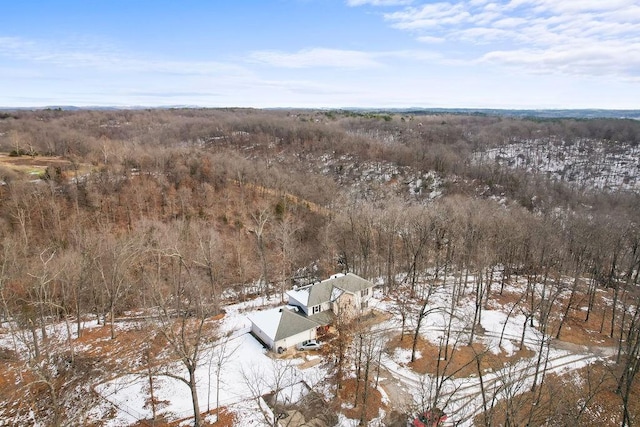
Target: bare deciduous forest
(171,215)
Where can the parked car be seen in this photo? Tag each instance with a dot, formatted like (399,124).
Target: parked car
(309,345)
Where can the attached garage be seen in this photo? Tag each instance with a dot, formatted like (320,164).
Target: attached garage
(281,328)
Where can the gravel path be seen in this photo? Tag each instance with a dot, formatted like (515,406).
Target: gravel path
(463,398)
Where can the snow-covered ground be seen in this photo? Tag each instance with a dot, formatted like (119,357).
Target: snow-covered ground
(373,179)
(606,165)
(461,398)
(246,370)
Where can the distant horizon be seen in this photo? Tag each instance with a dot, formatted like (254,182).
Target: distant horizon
(293,107)
(517,112)
(479,54)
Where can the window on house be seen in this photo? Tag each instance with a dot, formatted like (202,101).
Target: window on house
(315,309)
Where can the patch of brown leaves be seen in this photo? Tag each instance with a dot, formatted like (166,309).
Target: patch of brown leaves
(225,419)
(347,393)
(582,397)
(578,331)
(461,359)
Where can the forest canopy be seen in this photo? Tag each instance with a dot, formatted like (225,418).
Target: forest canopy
(105,212)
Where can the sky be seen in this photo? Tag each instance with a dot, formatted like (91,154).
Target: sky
(321,53)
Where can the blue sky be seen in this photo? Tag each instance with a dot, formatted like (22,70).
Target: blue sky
(321,53)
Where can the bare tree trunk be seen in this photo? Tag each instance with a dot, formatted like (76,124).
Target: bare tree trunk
(112,314)
(358,370)
(34,335)
(197,417)
(482,390)
(152,398)
(592,297)
(365,394)
(616,290)
(478,307)
(422,315)
(260,219)
(565,314)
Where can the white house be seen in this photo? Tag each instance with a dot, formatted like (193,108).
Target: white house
(312,307)
(348,294)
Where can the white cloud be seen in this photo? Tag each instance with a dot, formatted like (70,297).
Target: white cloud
(482,35)
(10,44)
(354,3)
(316,57)
(81,54)
(576,6)
(335,58)
(483,53)
(431,39)
(412,54)
(432,15)
(509,22)
(573,60)
(587,37)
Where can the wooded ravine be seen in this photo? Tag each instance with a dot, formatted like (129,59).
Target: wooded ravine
(174,215)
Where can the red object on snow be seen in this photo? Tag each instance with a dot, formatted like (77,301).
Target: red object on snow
(430,418)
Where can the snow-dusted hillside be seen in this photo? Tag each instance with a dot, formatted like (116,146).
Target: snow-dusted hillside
(373,180)
(584,163)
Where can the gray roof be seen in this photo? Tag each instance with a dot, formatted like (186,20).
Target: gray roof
(323,318)
(319,293)
(322,292)
(351,283)
(292,323)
